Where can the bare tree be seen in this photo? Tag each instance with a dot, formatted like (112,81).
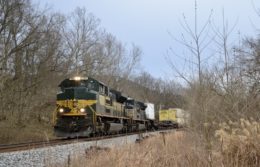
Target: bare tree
(222,42)
(199,41)
(250,63)
(81,34)
(31,49)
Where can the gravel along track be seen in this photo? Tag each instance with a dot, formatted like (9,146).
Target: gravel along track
(59,154)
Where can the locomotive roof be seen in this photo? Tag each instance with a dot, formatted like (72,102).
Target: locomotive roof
(80,79)
(121,97)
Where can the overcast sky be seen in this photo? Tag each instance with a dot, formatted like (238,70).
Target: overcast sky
(147,22)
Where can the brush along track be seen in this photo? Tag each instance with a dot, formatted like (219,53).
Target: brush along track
(39,144)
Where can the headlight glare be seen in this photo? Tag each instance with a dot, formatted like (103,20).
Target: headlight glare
(82,110)
(61,110)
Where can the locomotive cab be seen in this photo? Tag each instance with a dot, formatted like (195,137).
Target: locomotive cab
(135,109)
(74,107)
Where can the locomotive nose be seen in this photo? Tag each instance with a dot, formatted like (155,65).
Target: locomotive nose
(74,103)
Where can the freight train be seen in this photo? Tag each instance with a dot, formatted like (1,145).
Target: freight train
(86,106)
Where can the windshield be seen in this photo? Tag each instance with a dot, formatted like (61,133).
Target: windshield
(72,83)
(89,84)
(73,93)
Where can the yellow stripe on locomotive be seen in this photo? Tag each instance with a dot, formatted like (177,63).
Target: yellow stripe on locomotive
(74,107)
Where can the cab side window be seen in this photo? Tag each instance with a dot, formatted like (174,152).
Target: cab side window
(101,89)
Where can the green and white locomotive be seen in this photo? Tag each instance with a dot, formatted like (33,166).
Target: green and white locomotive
(86,107)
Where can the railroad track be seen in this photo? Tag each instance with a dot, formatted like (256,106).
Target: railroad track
(27,145)
(41,144)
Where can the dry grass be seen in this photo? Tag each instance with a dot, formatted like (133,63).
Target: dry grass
(27,131)
(158,151)
(240,142)
(164,150)
(235,144)
(29,126)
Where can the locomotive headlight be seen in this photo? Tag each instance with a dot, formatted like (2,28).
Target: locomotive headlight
(77,78)
(61,110)
(82,110)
